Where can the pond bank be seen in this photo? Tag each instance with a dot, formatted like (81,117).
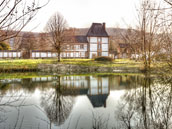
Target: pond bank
(78,69)
(76,66)
(13,70)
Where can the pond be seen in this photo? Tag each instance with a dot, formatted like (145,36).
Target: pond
(86,102)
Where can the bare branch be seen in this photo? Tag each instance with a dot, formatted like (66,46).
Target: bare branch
(56,27)
(15,15)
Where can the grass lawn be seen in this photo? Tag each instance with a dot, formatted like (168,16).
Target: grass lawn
(22,75)
(23,63)
(33,63)
(115,63)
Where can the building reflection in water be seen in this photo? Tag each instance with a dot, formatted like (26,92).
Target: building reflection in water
(95,87)
(57,94)
(58,102)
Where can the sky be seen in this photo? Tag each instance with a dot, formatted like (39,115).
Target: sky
(82,13)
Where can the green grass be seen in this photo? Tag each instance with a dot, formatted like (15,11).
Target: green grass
(26,64)
(115,63)
(22,75)
(23,63)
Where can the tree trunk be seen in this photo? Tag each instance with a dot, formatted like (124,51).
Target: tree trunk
(58,56)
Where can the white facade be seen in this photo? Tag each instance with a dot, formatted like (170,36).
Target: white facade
(98,86)
(92,54)
(93,39)
(98,46)
(104,40)
(93,47)
(10,54)
(105,47)
(104,53)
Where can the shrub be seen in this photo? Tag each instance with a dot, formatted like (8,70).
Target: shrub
(103,58)
(4,46)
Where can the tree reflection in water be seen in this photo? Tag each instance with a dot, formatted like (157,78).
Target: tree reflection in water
(148,105)
(56,104)
(10,100)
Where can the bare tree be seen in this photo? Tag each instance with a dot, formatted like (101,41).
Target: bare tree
(151,38)
(56,105)
(132,38)
(167,34)
(15,15)
(28,41)
(168,2)
(148,104)
(56,27)
(149,15)
(43,41)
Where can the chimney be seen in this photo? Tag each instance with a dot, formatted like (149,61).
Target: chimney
(104,25)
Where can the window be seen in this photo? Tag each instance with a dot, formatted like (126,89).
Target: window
(93,47)
(82,54)
(77,47)
(64,54)
(71,54)
(99,39)
(93,39)
(104,47)
(68,54)
(85,47)
(104,53)
(77,54)
(68,47)
(72,47)
(99,82)
(104,40)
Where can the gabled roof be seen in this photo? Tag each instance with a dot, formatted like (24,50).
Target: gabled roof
(98,100)
(76,39)
(81,39)
(97,30)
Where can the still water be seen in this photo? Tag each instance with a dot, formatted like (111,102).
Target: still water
(86,102)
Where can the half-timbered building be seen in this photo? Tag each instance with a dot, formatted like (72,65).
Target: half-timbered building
(94,43)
